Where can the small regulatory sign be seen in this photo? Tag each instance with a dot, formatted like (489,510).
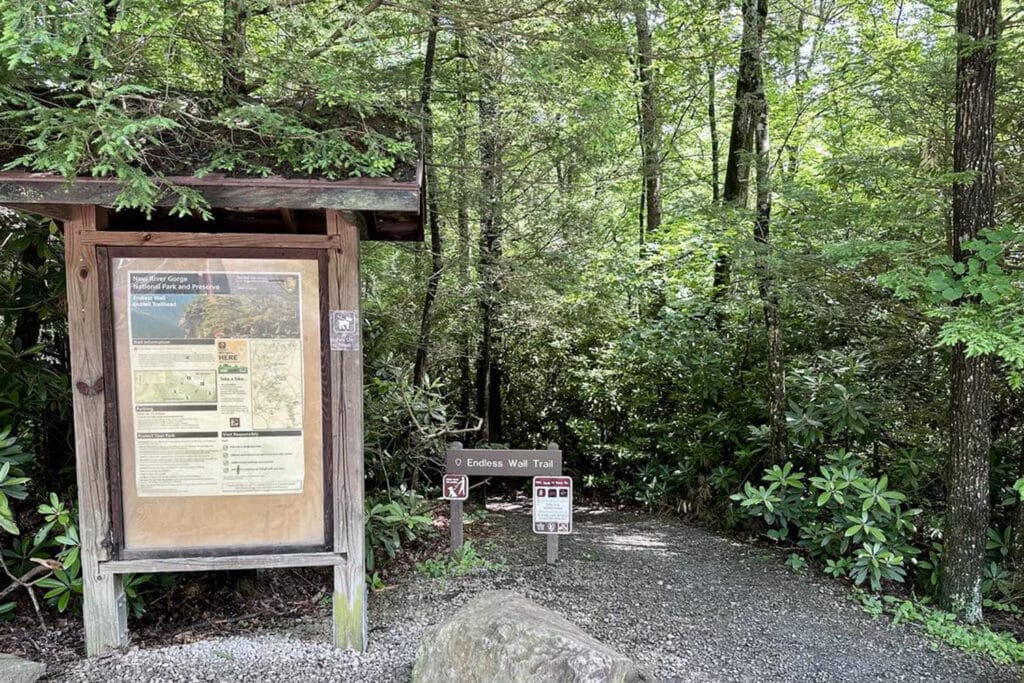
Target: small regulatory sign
(552,505)
(455,487)
(344,331)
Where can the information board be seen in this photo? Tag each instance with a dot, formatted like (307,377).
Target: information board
(216,365)
(552,505)
(219,388)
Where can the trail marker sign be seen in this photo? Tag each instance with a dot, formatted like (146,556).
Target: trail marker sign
(543,464)
(455,487)
(552,505)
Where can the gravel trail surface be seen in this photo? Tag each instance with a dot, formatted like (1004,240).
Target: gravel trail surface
(684,604)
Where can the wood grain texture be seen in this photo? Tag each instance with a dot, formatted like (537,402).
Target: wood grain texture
(356,194)
(347,440)
(208,240)
(288,216)
(103,607)
(455,525)
(58,212)
(202,564)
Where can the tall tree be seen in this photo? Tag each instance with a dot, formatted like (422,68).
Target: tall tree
(967,487)
(736,190)
(232,40)
(650,133)
(713,129)
(763,259)
(488,368)
(465,247)
(436,256)
(750,130)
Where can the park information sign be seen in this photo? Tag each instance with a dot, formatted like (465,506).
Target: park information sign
(552,505)
(220,395)
(217,372)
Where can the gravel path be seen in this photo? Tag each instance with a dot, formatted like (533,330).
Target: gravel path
(685,605)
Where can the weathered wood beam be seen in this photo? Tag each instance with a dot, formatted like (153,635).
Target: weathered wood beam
(197,564)
(103,604)
(288,216)
(359,194)
(58,212)
(209,240)
(347,439)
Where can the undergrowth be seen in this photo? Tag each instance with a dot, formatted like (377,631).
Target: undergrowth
(1001,646)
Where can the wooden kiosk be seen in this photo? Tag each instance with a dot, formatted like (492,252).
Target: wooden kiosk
(217,378)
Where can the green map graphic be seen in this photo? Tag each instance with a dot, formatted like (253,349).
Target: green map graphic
(175,386)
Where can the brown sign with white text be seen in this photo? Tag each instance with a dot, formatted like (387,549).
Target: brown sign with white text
(503,463)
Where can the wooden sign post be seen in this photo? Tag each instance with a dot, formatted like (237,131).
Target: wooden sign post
(217,374)
(500,463)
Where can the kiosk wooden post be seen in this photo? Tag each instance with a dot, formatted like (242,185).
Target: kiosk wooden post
(347,445)
(103,605)
(300,237)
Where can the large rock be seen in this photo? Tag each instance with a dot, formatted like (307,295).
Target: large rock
(17,670)
(499,636)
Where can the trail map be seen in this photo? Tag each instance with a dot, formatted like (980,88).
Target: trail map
(276,384)
(217,382)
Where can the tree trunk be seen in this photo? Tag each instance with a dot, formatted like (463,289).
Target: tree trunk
(967,494)
(462,226)
(232,43)
(736,189)
(791,148)
(766,286)
(28,324)
(744,117)
(436,257)
(750,125)
(650,136)
(488,370)
(723,264)
(713,127)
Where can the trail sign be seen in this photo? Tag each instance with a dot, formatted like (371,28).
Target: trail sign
(455,487)
(552,505)
(544,464)
(488,462)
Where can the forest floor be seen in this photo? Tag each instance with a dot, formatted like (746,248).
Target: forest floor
(684,604)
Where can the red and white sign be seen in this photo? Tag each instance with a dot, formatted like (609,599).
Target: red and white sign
(552,505)
(455,487)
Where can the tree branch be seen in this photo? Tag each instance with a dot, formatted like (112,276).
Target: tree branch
(341,30)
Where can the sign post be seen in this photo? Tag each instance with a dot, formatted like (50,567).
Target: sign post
(455,488)
(540,464)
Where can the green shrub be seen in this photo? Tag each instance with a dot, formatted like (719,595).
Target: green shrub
(390,522)
(461,562)
(850,521)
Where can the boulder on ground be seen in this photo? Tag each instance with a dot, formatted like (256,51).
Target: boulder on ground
(500,636)
(17,670)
